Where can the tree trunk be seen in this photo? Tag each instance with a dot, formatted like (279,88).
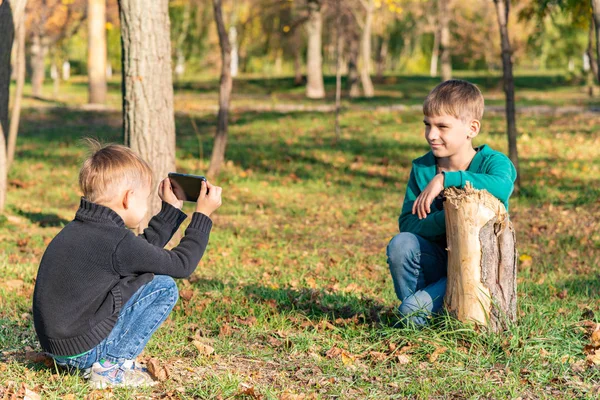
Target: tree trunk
(338,69)
(38,54)
(298,78)
(365,47)
(7,32)
(502,11)
(382,58)
(148,118)
(435,53)
(353,89)
(218,153)
(590,66)
(96,65)
(11,16)
(444,20)
(315,88)
(596,16)
(482,259)
(15,115)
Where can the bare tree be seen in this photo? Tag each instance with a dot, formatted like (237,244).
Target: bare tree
(15,115)
(502,11)
(365,47)
(315,87)
(218,154)
(444,21)
(148,118)
(96,65)
(596,16)
(11,15)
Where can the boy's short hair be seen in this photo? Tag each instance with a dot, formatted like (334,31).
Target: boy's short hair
(110,168)
(461,99)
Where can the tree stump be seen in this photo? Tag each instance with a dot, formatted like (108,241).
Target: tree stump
(482,259)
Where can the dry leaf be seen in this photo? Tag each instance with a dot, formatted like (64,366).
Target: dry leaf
(203,349)
(13,284)
(248,390)
(436,353)
(157,371)
(186,294)
(378,356)
(347,358)
(333,352)
(596,337)
(403,359)
(593,358)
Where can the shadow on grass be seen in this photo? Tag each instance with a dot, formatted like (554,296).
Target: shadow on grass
(314,304)
(42,219)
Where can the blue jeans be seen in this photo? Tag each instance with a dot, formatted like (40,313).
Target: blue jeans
(418,269)
(139,318)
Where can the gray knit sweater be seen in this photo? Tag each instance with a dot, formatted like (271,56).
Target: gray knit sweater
(95,264)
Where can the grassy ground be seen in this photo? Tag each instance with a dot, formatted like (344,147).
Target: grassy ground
(293,294)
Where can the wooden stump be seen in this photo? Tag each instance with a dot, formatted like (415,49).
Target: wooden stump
(482,259)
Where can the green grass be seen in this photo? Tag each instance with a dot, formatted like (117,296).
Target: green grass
(296,261)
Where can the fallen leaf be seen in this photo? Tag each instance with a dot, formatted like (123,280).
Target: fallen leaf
(203,349)
(436,353)
(157,371)
(594,357)
(378,356)
(403,359)
(13,284)
(333,352)
(248,390)
(186,294)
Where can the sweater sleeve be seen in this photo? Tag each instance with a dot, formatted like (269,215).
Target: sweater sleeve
(498,178)
(163,225)
(433,227)
(134,256)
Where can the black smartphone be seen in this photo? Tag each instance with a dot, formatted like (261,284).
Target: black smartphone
(186,187)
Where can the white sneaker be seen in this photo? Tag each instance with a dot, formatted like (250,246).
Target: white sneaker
(118,375)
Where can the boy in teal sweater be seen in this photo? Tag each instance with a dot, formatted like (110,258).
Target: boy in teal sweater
(417,256)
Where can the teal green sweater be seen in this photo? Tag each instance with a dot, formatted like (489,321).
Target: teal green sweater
(490,170)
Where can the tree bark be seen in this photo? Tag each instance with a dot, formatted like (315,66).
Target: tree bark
(502,11)
(315,87)
(365,47)
(444,20)
(382,58)
(218,153)
(435,53)
(353,89)
(482,259)
(596,16)
(15,115)
(298,78)
(38,74)
(96,65)
(11,16)
(148,118)
(338,69)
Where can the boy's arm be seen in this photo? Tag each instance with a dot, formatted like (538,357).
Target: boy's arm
(163,225)
(134,256)
(433,227)
(498,179)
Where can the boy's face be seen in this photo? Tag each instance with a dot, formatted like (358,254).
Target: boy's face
(137,206)
(449,136)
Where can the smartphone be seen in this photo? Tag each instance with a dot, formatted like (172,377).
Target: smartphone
(186,187)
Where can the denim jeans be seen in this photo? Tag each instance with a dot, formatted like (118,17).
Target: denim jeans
(418,269)
(143,313)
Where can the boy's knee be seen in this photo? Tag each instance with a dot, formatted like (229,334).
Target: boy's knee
(403,245)
(167,284)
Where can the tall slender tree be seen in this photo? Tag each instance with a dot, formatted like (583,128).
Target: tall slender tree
(96,66)
(11,14)
(15,114)
(596,16)
(444,21)
(148,118)
(502,12)
(315,87)
(218,154)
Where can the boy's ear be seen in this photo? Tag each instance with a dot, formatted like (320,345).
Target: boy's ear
(127,198)
(474,127)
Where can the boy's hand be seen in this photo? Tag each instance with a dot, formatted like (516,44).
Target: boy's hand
(422,205)
(208,202)
(167,194)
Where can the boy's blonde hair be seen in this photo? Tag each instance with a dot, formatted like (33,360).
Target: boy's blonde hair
(461,99)
(110,168)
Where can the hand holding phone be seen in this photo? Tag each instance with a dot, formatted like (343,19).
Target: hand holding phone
(186,187)
(209,199)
